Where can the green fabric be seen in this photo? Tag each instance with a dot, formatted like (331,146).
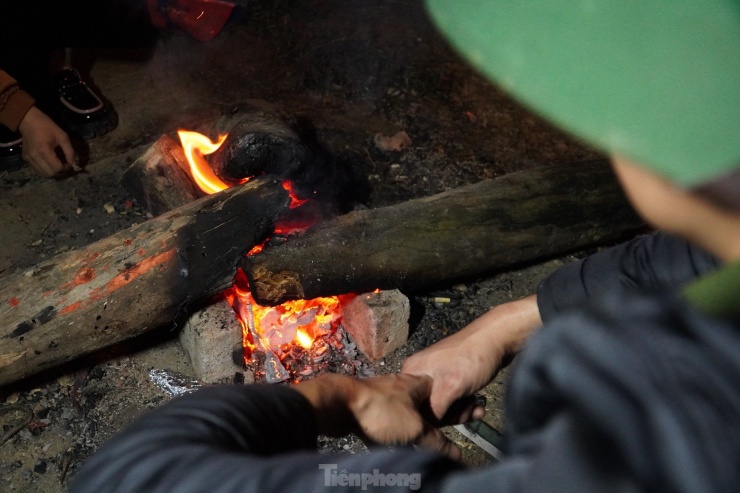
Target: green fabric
(718,293)
(657,81)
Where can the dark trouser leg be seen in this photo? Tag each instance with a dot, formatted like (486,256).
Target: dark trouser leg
(31,29)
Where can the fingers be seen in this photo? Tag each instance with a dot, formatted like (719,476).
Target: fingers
(470,413)
(46,146)
(399,396)
(433,439)
(444,388)
(442,398)
(43,163)
(51,160)
(388,410)
(46,161)
(419,387)
(65,145)
(463,410)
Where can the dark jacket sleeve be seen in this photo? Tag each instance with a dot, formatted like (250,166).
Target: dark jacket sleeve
(634,393)
(644,263)
(239,439)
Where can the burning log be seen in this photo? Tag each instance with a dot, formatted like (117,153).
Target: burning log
(133,281)
(258,144)
(451,236)
(159,180)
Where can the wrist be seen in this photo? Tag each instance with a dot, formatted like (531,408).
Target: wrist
(27,119)
(329,396)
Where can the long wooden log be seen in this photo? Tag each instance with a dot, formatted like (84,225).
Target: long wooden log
(133,281)
(455,235)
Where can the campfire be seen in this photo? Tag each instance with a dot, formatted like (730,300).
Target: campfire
(285,342)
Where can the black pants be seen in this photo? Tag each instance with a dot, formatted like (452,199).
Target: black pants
(31,29)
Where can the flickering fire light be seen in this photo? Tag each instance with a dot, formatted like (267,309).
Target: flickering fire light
(303,339)
(196,146)
(273,330)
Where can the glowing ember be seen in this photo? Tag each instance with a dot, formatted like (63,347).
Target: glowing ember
(256,249)
(294,200)
(196,146)
(276,328)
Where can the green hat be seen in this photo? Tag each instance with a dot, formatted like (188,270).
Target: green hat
(655,81)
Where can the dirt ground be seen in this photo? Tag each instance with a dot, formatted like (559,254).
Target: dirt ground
(353,69)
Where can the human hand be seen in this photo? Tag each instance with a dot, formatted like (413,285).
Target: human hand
(466,361)
(385,410)
(46,146)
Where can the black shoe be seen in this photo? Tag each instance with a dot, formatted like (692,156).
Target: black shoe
(86,114)
(10,150)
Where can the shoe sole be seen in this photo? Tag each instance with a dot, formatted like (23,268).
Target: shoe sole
(11,158)
(91,130)
(11,163)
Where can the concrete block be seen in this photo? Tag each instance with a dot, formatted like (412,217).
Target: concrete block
(212,338)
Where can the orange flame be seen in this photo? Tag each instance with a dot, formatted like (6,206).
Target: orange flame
(303,339)
(196,146)
(273,327)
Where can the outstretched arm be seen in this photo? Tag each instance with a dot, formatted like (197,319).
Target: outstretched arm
(464,362)
(258,438)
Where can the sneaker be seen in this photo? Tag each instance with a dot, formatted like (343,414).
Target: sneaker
(11,157)
(85,113)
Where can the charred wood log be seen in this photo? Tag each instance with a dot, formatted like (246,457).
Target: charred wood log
(455,235)
(259,143)
(133,281)
(160,179)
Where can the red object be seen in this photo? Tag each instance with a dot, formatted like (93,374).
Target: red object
(201,19)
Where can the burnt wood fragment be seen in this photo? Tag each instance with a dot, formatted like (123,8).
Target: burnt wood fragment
(258,144)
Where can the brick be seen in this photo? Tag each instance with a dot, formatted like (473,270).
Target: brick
(377,322)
